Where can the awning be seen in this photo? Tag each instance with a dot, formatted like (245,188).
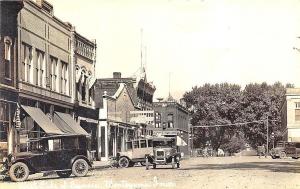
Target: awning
(180,141)
(42,120)
(67,124)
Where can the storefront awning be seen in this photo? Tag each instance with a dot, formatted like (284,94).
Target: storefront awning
(67,124)
(180,141)
(42,120)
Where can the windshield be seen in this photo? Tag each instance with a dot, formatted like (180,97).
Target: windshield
(164,143)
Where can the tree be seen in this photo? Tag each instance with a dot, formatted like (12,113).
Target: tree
(261,101)
(214,104)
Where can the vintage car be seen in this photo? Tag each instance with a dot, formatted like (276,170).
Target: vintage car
(285,149)
(64,154)
(164,152)
(134,152)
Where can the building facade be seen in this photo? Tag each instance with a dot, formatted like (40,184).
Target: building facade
(120,113)
(172,119)
(40,94)
(84,59)
(290,115)
(8,73)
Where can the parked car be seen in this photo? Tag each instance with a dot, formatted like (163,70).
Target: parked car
(286,149)
(164,152)
(64,154)
(135,152)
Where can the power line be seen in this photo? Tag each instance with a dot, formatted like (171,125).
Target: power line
(225,125)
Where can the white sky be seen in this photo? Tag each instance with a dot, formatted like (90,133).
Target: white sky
(198,41)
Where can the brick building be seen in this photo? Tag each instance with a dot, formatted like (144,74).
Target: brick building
(171,119)
(119,100)
(38,72)
(8,73)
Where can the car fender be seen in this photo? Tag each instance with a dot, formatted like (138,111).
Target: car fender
(30,167)
(80,157)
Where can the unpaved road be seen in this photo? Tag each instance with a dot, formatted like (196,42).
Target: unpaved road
(221,172)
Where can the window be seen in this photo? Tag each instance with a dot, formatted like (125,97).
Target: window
(150,143)
(54,144)
(297,115)
(170,121)
(40,69)
(53,73)
(4,121)
(64,78)
(157,125)
(26,56)
(83,89)
(135,144)
(7,57)
(129,145)
(70,143)
(143,144)
(297,105)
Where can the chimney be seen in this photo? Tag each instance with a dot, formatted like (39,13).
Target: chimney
(116,75)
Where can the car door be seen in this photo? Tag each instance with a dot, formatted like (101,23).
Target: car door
(54,155)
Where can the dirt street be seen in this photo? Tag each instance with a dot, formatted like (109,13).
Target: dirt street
(216,173)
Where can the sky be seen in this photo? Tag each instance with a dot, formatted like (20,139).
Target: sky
(191,42)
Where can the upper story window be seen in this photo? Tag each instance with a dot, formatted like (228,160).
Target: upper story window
(7,56)
(297,105)
(170,121)
(297,114)
(26,70)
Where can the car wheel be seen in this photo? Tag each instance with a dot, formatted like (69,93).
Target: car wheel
(178,165)
(19,172)
(282,155)
(64,174)
(80,168)
(154,166)
(143,163)
(124,162)
(273,157)
(173,163)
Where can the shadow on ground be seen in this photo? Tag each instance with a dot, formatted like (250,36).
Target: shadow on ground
(288,167)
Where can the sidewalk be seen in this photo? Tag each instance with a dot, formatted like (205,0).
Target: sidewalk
(100,164)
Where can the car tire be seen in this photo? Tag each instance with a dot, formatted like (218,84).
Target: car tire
(273,157)
(80,168)
(124,162)
(282,155)
(143,163)
(178,165)
(19,172)
(64,174)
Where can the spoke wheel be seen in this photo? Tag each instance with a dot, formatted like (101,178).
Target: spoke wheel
(123,162)
(282,155)
(64,174)
(80,168)
(19,172)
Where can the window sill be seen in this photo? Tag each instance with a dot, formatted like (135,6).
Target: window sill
(7,79)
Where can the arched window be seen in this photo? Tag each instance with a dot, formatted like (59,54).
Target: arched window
(7,56)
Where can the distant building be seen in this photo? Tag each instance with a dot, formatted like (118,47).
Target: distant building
(120,113)
(172,119)
(290,115)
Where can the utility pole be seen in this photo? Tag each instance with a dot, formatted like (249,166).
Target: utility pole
(267,125)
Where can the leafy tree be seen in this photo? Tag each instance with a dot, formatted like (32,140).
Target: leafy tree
(221,104)
(262,101)
(217,104)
